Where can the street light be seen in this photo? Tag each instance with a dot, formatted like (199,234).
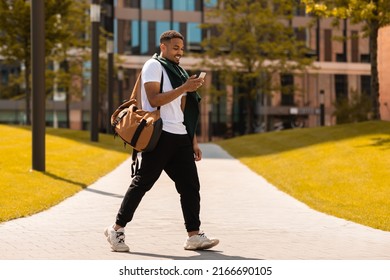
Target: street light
(108,20)
(110,82)
(38,84)
(94,117)
(322,108)
(120,84)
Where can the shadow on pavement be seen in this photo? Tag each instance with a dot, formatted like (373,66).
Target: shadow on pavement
(213,151)
(203,255)
(104,193)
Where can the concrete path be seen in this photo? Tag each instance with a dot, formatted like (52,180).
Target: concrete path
(252,219)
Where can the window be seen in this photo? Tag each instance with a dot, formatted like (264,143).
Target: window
(298,9)
(132,3)
(287,83)
(300,33)
(161,26)
(135,34)
(152,4)
(144,37)
(365,58)
(341,86)
(341,57)
(180,5)
(328,44)
(194,36)
(365,85)
(176,26)
(354,46)
(210,3)
(4,77)
(128,37)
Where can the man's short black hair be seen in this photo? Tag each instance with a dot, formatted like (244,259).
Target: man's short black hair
(170,34)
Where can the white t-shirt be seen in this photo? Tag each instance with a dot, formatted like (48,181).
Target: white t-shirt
(171,113)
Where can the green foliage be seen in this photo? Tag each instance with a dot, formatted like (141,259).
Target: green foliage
(15,24)
(13,89)
(250,42)
(254,37)
(356,109)
(15,27)
(373,14)
(358,11)
(71,52)
(65,27)
(9,91)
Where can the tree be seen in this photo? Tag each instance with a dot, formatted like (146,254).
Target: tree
(15,36)
(252,42)
(374,14)
(71,52)
(15,39)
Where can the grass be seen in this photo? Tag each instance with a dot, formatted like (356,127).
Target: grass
(72,163)
(341,170)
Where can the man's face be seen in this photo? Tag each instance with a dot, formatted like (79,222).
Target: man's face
(173,50)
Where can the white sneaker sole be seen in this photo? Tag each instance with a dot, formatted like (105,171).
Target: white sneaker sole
(203,246)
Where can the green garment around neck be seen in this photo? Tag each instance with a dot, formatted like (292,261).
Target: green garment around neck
(178,76)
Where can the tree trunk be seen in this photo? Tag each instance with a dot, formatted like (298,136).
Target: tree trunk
(250,89)
(67,107)
(374,25)
(229,111)
(249,116)
(27,93)
(67,96)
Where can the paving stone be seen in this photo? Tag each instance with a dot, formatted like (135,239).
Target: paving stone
(252,219)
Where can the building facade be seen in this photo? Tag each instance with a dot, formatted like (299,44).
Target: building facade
(384,72)
(342,69)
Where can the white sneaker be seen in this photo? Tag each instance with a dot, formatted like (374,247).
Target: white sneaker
(117,239)
(200,242)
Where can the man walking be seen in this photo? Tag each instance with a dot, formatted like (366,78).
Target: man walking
(177,149)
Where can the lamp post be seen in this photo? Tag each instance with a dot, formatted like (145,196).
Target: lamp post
(94,117)
(120,84)
(38,84)
(322,108)
(110,82)
(108,20)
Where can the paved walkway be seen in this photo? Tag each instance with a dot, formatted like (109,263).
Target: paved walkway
(251,217)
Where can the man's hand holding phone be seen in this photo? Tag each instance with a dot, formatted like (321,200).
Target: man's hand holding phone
(194,82)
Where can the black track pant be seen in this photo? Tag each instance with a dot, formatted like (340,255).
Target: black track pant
(173,154)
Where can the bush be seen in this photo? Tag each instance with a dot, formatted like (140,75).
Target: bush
(356,109)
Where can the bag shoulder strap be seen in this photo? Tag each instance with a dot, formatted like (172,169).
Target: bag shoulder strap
(161,85)
(134,92)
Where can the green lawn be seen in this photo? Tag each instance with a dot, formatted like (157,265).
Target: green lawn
(341,170)
(72,163)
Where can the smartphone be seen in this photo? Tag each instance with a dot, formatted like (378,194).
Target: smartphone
(202,75)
